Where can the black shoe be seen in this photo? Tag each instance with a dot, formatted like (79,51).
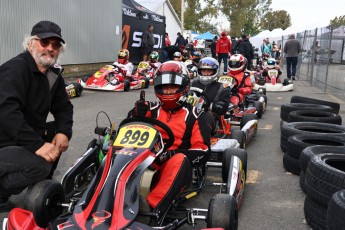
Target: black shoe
(5,205)
(293,78)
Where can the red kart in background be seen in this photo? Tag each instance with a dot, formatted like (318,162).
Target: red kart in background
(103,78)
(144,72)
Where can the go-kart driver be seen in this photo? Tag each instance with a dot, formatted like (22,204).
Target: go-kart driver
(192,134)
(237,69)
(271,65)
(154,63)
(125,66)
(216,96)
(196,57)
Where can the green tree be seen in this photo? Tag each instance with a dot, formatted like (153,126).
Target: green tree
(337,21)
(275,19)
(176,4)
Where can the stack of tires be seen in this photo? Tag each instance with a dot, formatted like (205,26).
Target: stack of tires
(313,142)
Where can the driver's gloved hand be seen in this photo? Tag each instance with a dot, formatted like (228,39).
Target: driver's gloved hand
(123,71)
(141,108)
(219,107)
(163,157)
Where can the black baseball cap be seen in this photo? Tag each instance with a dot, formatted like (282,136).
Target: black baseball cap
(47,29)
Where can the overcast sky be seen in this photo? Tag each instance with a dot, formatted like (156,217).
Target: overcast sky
(305,13)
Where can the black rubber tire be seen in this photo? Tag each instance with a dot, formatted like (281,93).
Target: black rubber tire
(240,136)
(291,164)
(287,108)
(315,214)
(295,128)
(42,199)
(311,151)
(247,117)
(222,212)
(302,180)
(315,116)
(325,175)
(147,83)
(299,99)
(299,142)
(336,212)
(227,154)
(262,89)
(259,108)
(78,89)
(126,86)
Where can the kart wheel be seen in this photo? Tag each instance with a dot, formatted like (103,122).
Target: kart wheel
(240,136)
(126,85)
(227,154)
(247,117)
(78,89)
(147,83)
(259,108)
(222,212)
(262,90)
(44,199)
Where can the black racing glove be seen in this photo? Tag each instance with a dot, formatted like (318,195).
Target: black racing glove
(163,157)
(141,108)
(219,107)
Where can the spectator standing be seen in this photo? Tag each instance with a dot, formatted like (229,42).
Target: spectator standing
(187,41)
(31,87)
(223,49)
(292,48)
(180,41)
(213,46)
(234,45)
(148,42)
(167,40)
(266,47)
(246,49)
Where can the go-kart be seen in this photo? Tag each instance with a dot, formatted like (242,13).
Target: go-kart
(74,89)
(107,193)
(144,71)
(192,68)
(272,82)
(224,135)
(103,78)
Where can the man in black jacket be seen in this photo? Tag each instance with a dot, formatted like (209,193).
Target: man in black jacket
(180,41)
(246,49)
(31,87)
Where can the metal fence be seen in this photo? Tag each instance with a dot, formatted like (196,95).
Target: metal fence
(322,60)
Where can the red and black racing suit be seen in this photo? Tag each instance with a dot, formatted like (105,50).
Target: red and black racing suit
(267,78)
(244,87)
(192,144)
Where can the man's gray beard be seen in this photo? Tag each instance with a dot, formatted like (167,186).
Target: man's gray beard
(44,62)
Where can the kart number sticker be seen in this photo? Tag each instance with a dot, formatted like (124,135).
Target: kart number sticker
(273,73)
(138,136)
(226,80)
(191,100)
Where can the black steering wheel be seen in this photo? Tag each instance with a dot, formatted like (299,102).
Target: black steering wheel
(167,142)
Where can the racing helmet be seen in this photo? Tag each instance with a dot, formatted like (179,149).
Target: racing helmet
(271,63)
(123,56)
(208,63)
(237,64)
(154,56)
(171,73)
(196,56)
(177,56)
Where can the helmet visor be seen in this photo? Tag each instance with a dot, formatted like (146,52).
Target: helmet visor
(168,79)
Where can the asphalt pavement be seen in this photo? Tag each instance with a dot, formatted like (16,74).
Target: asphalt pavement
(272,197)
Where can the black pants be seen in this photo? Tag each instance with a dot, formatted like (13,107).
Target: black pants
(20,168)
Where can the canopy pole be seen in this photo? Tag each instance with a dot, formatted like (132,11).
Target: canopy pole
(182,16)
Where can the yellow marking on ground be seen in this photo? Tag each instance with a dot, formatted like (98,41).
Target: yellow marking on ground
(267,127)
(252,176)
(336,99)
(276,108)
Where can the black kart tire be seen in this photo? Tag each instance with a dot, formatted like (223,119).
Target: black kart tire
(315,214)
(126,86)
(262,89)
(240,136)
(302,180)
(147,83)
(259,108)
(325,175)
(247,117)
(315,116)
(295,128)
(222,212)
(336,212)
(227,154)
(287,108)
(44,199)
(299,99)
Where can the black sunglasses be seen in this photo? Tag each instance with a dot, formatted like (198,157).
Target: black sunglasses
(45,43)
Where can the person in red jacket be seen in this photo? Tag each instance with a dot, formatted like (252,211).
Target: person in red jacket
(223,49)
(190,129)
(237,69)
